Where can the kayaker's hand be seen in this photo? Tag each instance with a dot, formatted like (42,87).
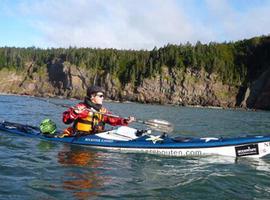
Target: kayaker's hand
(80,112)
(130,119)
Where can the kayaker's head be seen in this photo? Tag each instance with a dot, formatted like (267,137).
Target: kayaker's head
(95,94)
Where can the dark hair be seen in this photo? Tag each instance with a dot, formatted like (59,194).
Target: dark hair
(93,90)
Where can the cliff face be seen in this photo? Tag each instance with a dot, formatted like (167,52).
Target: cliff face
(184,88)
(56,79)
(172,86)
(257,95)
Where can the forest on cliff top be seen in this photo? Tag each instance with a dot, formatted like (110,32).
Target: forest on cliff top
(235,63)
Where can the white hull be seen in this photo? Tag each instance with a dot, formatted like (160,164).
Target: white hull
(263,147)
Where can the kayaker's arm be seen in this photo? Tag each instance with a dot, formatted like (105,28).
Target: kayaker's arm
(66,117)
(116,120)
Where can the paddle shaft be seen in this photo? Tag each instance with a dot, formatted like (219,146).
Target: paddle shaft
(156,124)
(115,116)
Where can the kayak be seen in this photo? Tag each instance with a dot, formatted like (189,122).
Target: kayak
(132,140)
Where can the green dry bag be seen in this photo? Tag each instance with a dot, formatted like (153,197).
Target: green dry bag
(47,126)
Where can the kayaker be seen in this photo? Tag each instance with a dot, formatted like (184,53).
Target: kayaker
(85,118)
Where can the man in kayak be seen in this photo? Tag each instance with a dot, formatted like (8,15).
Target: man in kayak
(89,117)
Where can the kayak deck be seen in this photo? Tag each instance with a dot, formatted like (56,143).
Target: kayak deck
(250,146)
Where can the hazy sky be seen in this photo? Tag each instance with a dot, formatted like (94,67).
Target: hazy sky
(129,24)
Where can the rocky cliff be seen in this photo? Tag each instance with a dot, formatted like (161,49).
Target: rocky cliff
(257,95)
(171,86)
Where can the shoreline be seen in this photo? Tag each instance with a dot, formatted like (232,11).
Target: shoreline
(117,101)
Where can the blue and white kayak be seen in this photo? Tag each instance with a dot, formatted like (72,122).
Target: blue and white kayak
(127,139)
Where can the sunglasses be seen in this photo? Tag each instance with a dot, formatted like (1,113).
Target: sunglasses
(100,95)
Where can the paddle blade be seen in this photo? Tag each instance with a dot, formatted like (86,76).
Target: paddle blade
(160,125)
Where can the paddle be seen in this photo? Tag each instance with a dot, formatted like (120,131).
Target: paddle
(155,124)
(158,125)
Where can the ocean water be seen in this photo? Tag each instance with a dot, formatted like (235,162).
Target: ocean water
(35,169)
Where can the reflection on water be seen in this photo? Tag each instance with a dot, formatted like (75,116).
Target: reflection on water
(262,164)
(79,156)
(84,182)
